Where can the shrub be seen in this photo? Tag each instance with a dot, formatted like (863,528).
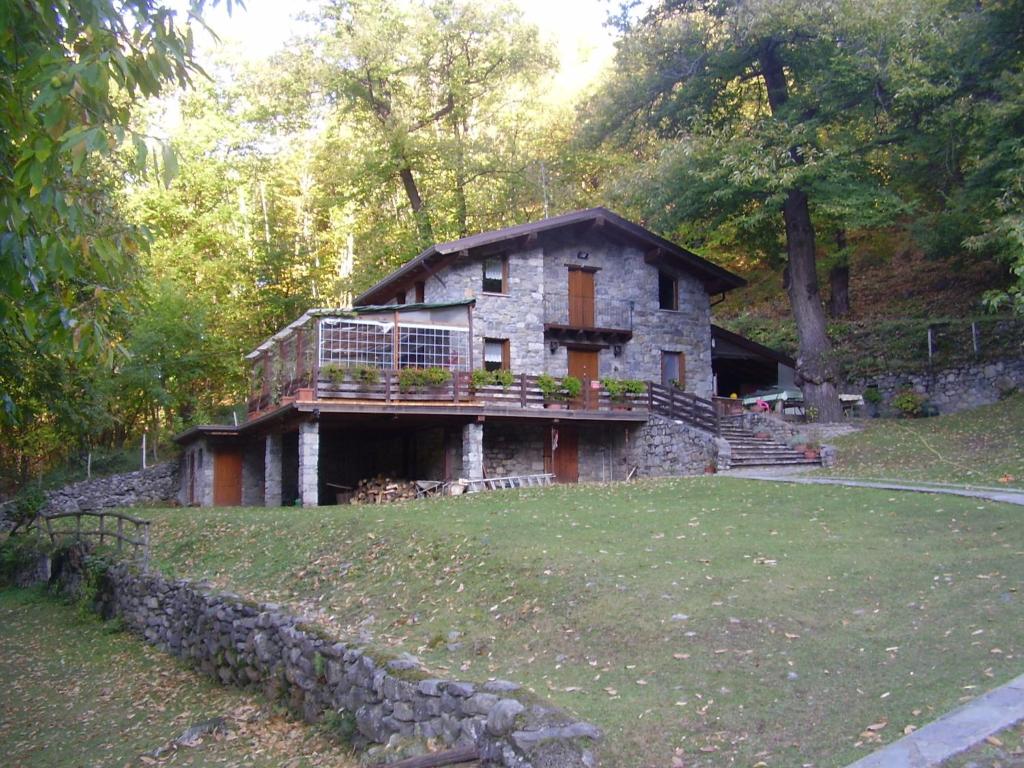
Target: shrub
(909,403)
(572,387)
(872,396)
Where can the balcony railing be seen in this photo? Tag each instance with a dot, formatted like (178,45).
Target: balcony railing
(587,313)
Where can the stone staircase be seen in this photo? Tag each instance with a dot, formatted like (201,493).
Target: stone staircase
(751,451)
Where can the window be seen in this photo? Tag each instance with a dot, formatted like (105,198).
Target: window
(496,354)
(495,275)
(421,291)
(668,291)
(400,298)
(673,369)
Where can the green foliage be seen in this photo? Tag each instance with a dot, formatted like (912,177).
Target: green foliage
(333,373)
(620,389)
(909,403)
(18,553)
(71,72)
(559,390)
(500,377)
(24,507)
(872,396)
(418,378)
(365,374)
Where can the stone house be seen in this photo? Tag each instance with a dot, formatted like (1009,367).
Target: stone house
(394,386)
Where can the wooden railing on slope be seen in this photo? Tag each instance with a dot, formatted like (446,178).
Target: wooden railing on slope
(685,406)
(138,539)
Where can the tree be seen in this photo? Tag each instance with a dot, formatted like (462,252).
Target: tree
(423,94)
(752,109)
(70,73)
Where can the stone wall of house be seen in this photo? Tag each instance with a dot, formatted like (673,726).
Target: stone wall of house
(952,389)
(602,453)
(516,315)
(254,645)
(622,278)
(665,447)
(157,484)
(196,474)
(514,448)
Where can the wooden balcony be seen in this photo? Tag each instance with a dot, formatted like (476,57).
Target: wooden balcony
(582,319)
(523,399)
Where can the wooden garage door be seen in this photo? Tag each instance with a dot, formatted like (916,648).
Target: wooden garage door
(227,478)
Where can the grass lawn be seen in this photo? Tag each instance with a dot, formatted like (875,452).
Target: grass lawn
(77,693)
(983,446)
(701,622)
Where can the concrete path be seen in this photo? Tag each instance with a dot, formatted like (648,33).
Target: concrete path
(1007,496)
(953,733)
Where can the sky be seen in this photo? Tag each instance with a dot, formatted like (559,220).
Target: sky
(574,27)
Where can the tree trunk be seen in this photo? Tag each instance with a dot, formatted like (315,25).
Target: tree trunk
(839,280)
(839,286)
(413,193)
(815,368)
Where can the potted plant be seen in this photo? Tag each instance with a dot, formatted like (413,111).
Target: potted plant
(483,378)
(620,390)
(365,375)
(557,391)
(422,378)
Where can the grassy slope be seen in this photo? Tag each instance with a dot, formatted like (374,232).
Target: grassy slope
(811,612)
(983,446)
(78,694)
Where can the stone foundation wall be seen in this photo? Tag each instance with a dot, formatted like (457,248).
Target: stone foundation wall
(156,484)
(514,449)
(259,645)
(952,389)
(665,447)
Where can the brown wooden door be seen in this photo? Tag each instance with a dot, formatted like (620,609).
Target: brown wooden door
(563,451)
(227,478)
(583,364)
(581,298)
(191,478)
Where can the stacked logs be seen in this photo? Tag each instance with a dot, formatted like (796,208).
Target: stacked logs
(383,490)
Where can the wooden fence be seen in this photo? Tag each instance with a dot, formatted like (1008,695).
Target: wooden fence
(137,538)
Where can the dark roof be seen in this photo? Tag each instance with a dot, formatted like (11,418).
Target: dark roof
(757,350)
(715,278)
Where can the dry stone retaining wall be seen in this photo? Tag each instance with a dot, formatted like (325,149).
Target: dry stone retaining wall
(248,644)
(155,484)
(953,389)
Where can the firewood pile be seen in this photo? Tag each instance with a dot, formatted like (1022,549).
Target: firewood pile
(383,490)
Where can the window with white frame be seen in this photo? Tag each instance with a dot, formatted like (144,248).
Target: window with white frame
(356,342)
(365,342)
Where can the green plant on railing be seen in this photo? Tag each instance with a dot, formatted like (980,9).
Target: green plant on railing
(365,374)
(909,403)
(484,378)
(419,378)
(333,373)
(559,390)
(619,389)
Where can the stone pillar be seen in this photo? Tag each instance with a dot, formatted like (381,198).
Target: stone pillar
(473,451)
(272,472)
(309,463)
(253,483)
